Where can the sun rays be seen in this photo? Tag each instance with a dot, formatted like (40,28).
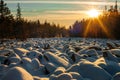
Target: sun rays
(101,26)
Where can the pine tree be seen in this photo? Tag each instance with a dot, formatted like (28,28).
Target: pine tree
(4,10)
(18,16)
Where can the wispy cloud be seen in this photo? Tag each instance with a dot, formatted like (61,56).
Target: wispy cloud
(65,12)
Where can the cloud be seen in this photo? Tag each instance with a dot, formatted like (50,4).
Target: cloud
(66,12)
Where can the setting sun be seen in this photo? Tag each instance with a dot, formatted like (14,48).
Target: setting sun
(93,13)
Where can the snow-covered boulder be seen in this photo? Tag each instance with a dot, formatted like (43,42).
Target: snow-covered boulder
(116,52)
(21,52)
(35,63)
(92,53)
(17,73)
(109,56)
(64,76)
(89,70)
(33,54)
(50,57)
(109,66)
(59,70)
(50,67)
(26,63)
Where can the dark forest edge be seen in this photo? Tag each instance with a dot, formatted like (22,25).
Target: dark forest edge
(19,28)
(105,26)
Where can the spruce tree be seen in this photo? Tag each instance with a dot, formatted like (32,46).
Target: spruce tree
(4,11)
(18,15)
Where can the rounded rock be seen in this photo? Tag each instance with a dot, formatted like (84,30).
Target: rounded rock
(17,73)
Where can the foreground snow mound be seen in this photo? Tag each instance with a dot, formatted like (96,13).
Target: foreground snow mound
(17,73)
(89,70)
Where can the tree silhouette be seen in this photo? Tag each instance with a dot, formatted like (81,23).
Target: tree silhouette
(4,11)
(18,15)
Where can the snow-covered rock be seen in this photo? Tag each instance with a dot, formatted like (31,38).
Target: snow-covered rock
(21,52)
(35,63)
(59,70)
(116,52)
(33,54)
(56,60)
(109,56)
(64,76)
(17,73)
(89,70)
(109,66)
(50,67)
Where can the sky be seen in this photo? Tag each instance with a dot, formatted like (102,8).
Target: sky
(63,12)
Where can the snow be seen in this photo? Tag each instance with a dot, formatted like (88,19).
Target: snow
(60,59)
(33,54)
(89,70)
(56,60)
(21,52)
(17,73)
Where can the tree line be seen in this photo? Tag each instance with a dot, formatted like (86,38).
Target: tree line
(105,26)
(19,28)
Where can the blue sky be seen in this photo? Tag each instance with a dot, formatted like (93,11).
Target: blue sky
(63,12)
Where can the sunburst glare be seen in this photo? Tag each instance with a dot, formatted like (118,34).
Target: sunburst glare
(93,13)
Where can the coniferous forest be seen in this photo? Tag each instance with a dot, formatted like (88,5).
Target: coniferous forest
(105,26)
(16,27)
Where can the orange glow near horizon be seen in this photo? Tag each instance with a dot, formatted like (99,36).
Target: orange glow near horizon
(102,26)
(87,29)
(106,31)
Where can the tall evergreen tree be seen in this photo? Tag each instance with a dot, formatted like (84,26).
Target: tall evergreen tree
(18,16)
(4,10)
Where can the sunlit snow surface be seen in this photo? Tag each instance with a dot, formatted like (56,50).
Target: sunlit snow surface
(60,59)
